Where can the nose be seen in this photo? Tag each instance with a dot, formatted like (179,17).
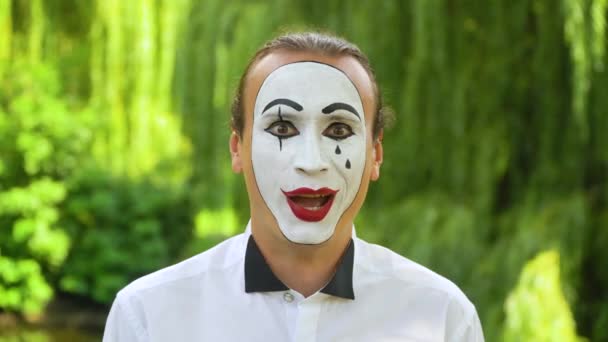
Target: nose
(310,157)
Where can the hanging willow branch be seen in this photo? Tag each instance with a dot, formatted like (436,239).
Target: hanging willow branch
(132,66)
(599,9)
(6,32)
(585,27)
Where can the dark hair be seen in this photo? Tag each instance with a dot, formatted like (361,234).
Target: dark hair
(316,42)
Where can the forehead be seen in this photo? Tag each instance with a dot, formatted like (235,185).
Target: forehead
(347,65)
(311,84)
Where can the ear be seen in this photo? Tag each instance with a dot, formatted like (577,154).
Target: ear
(235,152)
(377,157)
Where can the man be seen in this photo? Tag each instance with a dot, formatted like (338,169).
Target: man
(307,128)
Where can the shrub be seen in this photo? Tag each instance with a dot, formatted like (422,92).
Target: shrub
(537,309)
(42,138)
(121,229)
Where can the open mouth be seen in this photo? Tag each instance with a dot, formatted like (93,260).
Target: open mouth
(310,205)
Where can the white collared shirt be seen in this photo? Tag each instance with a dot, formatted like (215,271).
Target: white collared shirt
(204,299)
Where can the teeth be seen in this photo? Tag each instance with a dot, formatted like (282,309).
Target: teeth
(311,196)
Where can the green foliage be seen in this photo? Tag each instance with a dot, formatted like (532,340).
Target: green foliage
(210,228)
(30,336)
(431,229)
(23,288)
(536,308)
(121,229)
(41,140)
(5,33)
(34,206)
(133,47)
(591,288)
(585,30)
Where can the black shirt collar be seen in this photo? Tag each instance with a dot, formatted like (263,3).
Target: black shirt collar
(259,276)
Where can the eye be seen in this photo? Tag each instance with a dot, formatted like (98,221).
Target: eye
(282,129)
(338,131)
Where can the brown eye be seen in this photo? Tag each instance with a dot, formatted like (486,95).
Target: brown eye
(338,131)
(282,129)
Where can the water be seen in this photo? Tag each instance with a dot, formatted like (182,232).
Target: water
(49,335)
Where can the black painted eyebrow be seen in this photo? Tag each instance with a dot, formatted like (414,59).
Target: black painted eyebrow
(339,105)
(286,102)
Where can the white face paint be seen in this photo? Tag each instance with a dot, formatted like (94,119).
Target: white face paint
(308,148)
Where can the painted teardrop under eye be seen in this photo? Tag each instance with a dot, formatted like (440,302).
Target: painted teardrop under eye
(338,151)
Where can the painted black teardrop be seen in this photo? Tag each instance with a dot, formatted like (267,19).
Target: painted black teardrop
(338,151)
(347,164)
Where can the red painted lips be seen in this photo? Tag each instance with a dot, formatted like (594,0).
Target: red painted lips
(310,205)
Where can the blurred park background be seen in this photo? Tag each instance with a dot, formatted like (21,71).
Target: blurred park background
(114,125)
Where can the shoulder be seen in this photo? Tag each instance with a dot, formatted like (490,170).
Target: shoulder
(218,259)
(387,267)
(145,302)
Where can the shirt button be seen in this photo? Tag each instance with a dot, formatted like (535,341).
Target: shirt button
(288,297)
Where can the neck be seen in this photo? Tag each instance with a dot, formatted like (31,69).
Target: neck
(304,268)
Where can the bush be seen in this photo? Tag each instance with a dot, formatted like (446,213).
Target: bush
(537,309)
(64,224)
(431,229)
(121,229)
(41,139)
(23,287)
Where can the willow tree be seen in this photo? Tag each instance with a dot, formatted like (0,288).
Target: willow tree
(6,33)
(133,51)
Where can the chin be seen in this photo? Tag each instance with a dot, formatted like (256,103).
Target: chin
(308,233)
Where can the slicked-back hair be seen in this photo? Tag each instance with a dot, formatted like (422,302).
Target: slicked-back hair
(324,44)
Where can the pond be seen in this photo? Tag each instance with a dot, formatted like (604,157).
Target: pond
(66,319)
(49,335)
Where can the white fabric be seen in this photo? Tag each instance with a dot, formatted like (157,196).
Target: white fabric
(204,299)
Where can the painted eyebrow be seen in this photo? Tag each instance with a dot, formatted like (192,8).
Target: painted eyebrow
(286,102)
(339,105)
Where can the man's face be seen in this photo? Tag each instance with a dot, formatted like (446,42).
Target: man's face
(306,147)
